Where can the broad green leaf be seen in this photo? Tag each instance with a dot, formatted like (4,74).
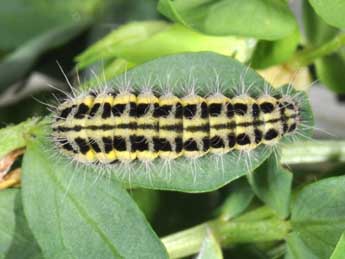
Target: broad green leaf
(24,20)
(272,184)
(296,249)
(16,239)
(13,137)
(17,64)
(269,19)
(339,250)
(79,214)
(318,215)
(210,248)
(179,72)
(332,12)
(238,200)
(268,53)
(138,42)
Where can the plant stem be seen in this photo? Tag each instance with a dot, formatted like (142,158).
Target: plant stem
(188,242)
(308,56)
(313,152)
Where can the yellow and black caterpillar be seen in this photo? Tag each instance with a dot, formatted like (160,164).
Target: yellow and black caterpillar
(105,128)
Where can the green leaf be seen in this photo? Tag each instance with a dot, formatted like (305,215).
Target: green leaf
(339,250)
(296,248)
(318,215)
(332,12)
(30,19)
(269,53)
(17,64)
(209,172)
(272,184)
(210,248)
(13,137)
(78,214)
(269,19)
(238,200)
(16,239)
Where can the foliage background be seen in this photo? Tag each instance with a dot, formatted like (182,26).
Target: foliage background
(295,211)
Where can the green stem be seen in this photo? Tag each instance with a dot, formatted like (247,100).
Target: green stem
(186,242)
(313,152)
(308,56)
(189,241)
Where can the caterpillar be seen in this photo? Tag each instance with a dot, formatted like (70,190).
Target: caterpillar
(110,127)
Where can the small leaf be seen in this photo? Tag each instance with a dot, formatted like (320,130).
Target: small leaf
(318,215)
(272,184)
(16,239)
(332,12)
(269,20)
(210,247)
(339,250)
(238,200)
(268,53)
(78,214)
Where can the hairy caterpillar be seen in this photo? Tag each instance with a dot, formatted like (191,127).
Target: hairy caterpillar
(109,127)
(204,126)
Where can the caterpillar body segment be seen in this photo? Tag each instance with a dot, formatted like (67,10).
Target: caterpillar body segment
(170,127)
(109,127)
(195,134)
